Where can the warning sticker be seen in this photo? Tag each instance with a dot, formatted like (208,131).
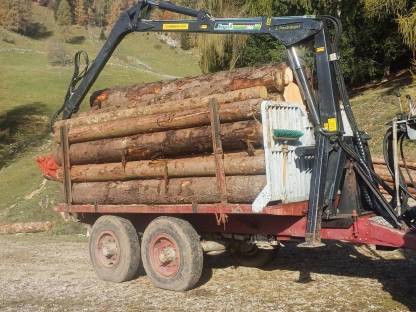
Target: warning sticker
(332,124)
(238,26)
(175,26)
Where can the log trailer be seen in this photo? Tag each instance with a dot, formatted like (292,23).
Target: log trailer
(321,183)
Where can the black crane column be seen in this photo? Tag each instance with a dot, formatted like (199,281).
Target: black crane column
(325,120)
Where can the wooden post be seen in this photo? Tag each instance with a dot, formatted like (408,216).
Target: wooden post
(217,148)
(66,165)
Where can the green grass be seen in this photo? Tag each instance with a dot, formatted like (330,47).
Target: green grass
(31,90)
(375,107)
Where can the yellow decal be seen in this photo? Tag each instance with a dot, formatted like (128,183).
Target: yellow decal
(321,49)
(332,124)
(204,26)
(268,21)
(175,26)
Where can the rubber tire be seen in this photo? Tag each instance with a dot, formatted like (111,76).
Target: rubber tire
(129,264)
(259,259)
(191,254)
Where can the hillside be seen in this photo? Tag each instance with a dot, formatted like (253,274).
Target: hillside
(31,90)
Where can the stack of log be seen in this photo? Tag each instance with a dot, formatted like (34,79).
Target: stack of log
(409,177)
(153,143)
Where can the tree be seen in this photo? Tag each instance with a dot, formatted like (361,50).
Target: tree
(63,14)
(115,11)
(81,14)
(15,15)
(405,13)
(364,56)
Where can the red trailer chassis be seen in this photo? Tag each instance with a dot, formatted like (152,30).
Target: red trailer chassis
(284,221)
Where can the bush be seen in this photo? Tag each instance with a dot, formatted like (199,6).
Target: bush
(102,35)
(185,41)
(57,55)
(75,39)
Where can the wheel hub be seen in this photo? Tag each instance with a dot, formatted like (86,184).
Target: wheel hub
(164,255)
(107,249)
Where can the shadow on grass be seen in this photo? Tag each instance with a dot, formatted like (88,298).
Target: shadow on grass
(37,31)
(22,127)
(396,81)
(75,40)
(396,275)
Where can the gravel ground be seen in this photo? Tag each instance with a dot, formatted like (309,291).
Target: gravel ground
(49,273)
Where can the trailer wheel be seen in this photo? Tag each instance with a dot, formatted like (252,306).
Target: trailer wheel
(172,254)
(114,249)
(252,256)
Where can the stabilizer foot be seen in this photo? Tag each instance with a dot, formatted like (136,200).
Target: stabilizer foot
(312,241)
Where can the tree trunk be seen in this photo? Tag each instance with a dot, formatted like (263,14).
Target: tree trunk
(232,112)
(240,189)
(234,164)
(236,136)
(270,76)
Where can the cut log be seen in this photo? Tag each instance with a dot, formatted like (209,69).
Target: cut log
(240,189)
(30,227)
(410,164)
(109,114)
(234,164)
(389,179)
(231,112)
(270,76)
(382,170)
(193,141)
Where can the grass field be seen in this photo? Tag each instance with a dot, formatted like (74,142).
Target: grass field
(31,90)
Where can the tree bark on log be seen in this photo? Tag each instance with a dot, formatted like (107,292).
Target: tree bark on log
(234,164)
(389,179)
(231,112)
(188,103)
(240,189)
(382,170)
(235,136)
(103,115)
(270,76)
(410,164)
(411,190)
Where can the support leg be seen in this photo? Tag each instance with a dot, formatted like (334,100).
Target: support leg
(317,194)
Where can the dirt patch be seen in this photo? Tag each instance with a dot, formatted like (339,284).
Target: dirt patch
(40,272)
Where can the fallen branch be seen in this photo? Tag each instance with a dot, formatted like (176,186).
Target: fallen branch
(30,227)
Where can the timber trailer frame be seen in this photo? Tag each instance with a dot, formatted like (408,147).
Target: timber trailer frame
(344,201)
